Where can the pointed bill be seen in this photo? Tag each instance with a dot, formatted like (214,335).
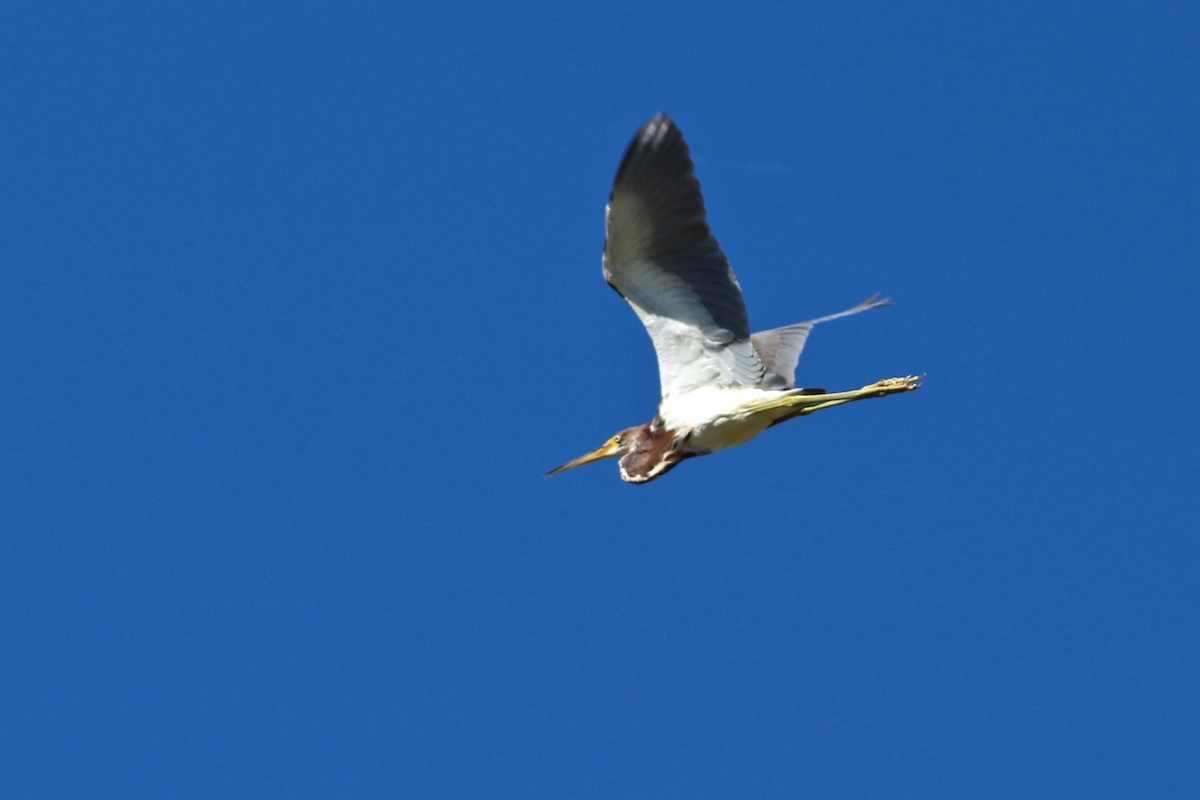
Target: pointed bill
(610,449)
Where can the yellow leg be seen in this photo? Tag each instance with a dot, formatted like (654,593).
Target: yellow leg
(808,403)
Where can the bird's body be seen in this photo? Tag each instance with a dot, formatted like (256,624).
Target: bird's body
(713,418)
(721,385)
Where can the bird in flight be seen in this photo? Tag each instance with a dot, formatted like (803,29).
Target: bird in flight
(721,385)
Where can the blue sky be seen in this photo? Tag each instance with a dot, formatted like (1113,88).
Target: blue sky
(300,301)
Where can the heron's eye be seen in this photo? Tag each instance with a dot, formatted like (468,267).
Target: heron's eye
(616,440)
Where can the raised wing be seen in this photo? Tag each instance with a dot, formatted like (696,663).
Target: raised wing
(780,348)
(661,257)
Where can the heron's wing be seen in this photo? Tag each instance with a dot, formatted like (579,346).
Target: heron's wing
(661,257)
(780,348)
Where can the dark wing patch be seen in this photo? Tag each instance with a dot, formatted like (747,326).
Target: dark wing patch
(656,213)
(662,258)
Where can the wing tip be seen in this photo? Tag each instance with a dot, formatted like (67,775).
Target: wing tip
(654,135)
(659,122)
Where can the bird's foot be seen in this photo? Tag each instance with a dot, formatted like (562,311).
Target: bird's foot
(893,385)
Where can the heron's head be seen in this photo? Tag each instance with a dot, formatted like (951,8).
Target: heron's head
(617,445)
(647,452)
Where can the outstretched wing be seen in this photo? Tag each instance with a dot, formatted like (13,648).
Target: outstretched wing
(661,257)
(780,348)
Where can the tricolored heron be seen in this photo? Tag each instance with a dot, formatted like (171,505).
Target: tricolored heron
(721,385)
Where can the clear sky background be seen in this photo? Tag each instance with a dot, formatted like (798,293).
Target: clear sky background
(299,301)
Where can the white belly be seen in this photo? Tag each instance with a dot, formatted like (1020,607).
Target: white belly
(720,418)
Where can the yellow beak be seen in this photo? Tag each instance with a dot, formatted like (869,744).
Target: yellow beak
(609,449)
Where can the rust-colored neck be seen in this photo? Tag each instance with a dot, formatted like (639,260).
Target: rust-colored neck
(653,454)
